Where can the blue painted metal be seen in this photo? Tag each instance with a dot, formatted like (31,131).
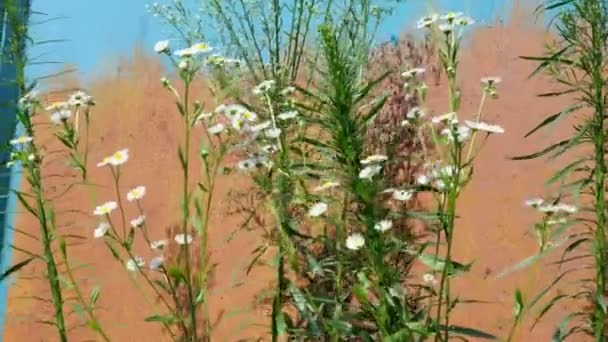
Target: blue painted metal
(10,178)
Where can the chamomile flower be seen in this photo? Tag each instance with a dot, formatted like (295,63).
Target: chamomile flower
(490,81)
(317,209)
(464,21)
(183,239)
(414,113)
(60,116)
(196,49)
(428,278)
(355,241)
(450,16)
(273,132)
(461,133)
(411,73)
(216,129)
(80,98)
(482,126)
(247,164)
(101,230)
(383,225)
(403,195)
(234,110)
(288,115)
(135,264)
(427,21)
(136,194)
(375,158)
(24,139)
(158,244)
(261,126)
(534,202)
(422,180)
(105,209)
(161,46)
(449,118)
(288,90)
(118,158)
(326,185)
(138,222)
(264,87)
(446,28)
(156,263)
(370,171)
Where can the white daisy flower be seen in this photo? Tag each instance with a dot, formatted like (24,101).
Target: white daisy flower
(288,115)
(405,123)
(534,202)
(482,126)
(194,50)
(249,116)
(60,116)
(183,64)
(270,149)
(156,263)
(318,209)
(450,16)
(491,81)
(423,180)
(28,98)
(135,264)
(383,225)
(375,158)
(221,109)
(462,133)
(183,239)
(216,129)
(247,164)
(264,87)
(273,132)
(80,98)
(403,195)
(414,113)
(161,46)
(370,171)
(567,208)
(355,241)
(427,21)
(326,185)
(105,209)
(261,126)
(288,90)
(118,158)
(24,139)
(138,222)
(411,73)
(136,194)
(234,110)
(450,118)
(446,28)
(464,21)
(158,244)
(428,278)
(101,230)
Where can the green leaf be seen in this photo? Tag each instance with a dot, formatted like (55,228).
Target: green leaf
(526,262)
(519,304)
(176,273)
(468,332)
(182,158)
(95,296)
(543,152)
(167,319)
(546,308)
(566,171)
(554,117)
(24,203)
(437,264)
(558,335)
(15,268)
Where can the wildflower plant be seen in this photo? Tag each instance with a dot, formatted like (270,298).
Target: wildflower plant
(32,157)
(576,62)
(454,148)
